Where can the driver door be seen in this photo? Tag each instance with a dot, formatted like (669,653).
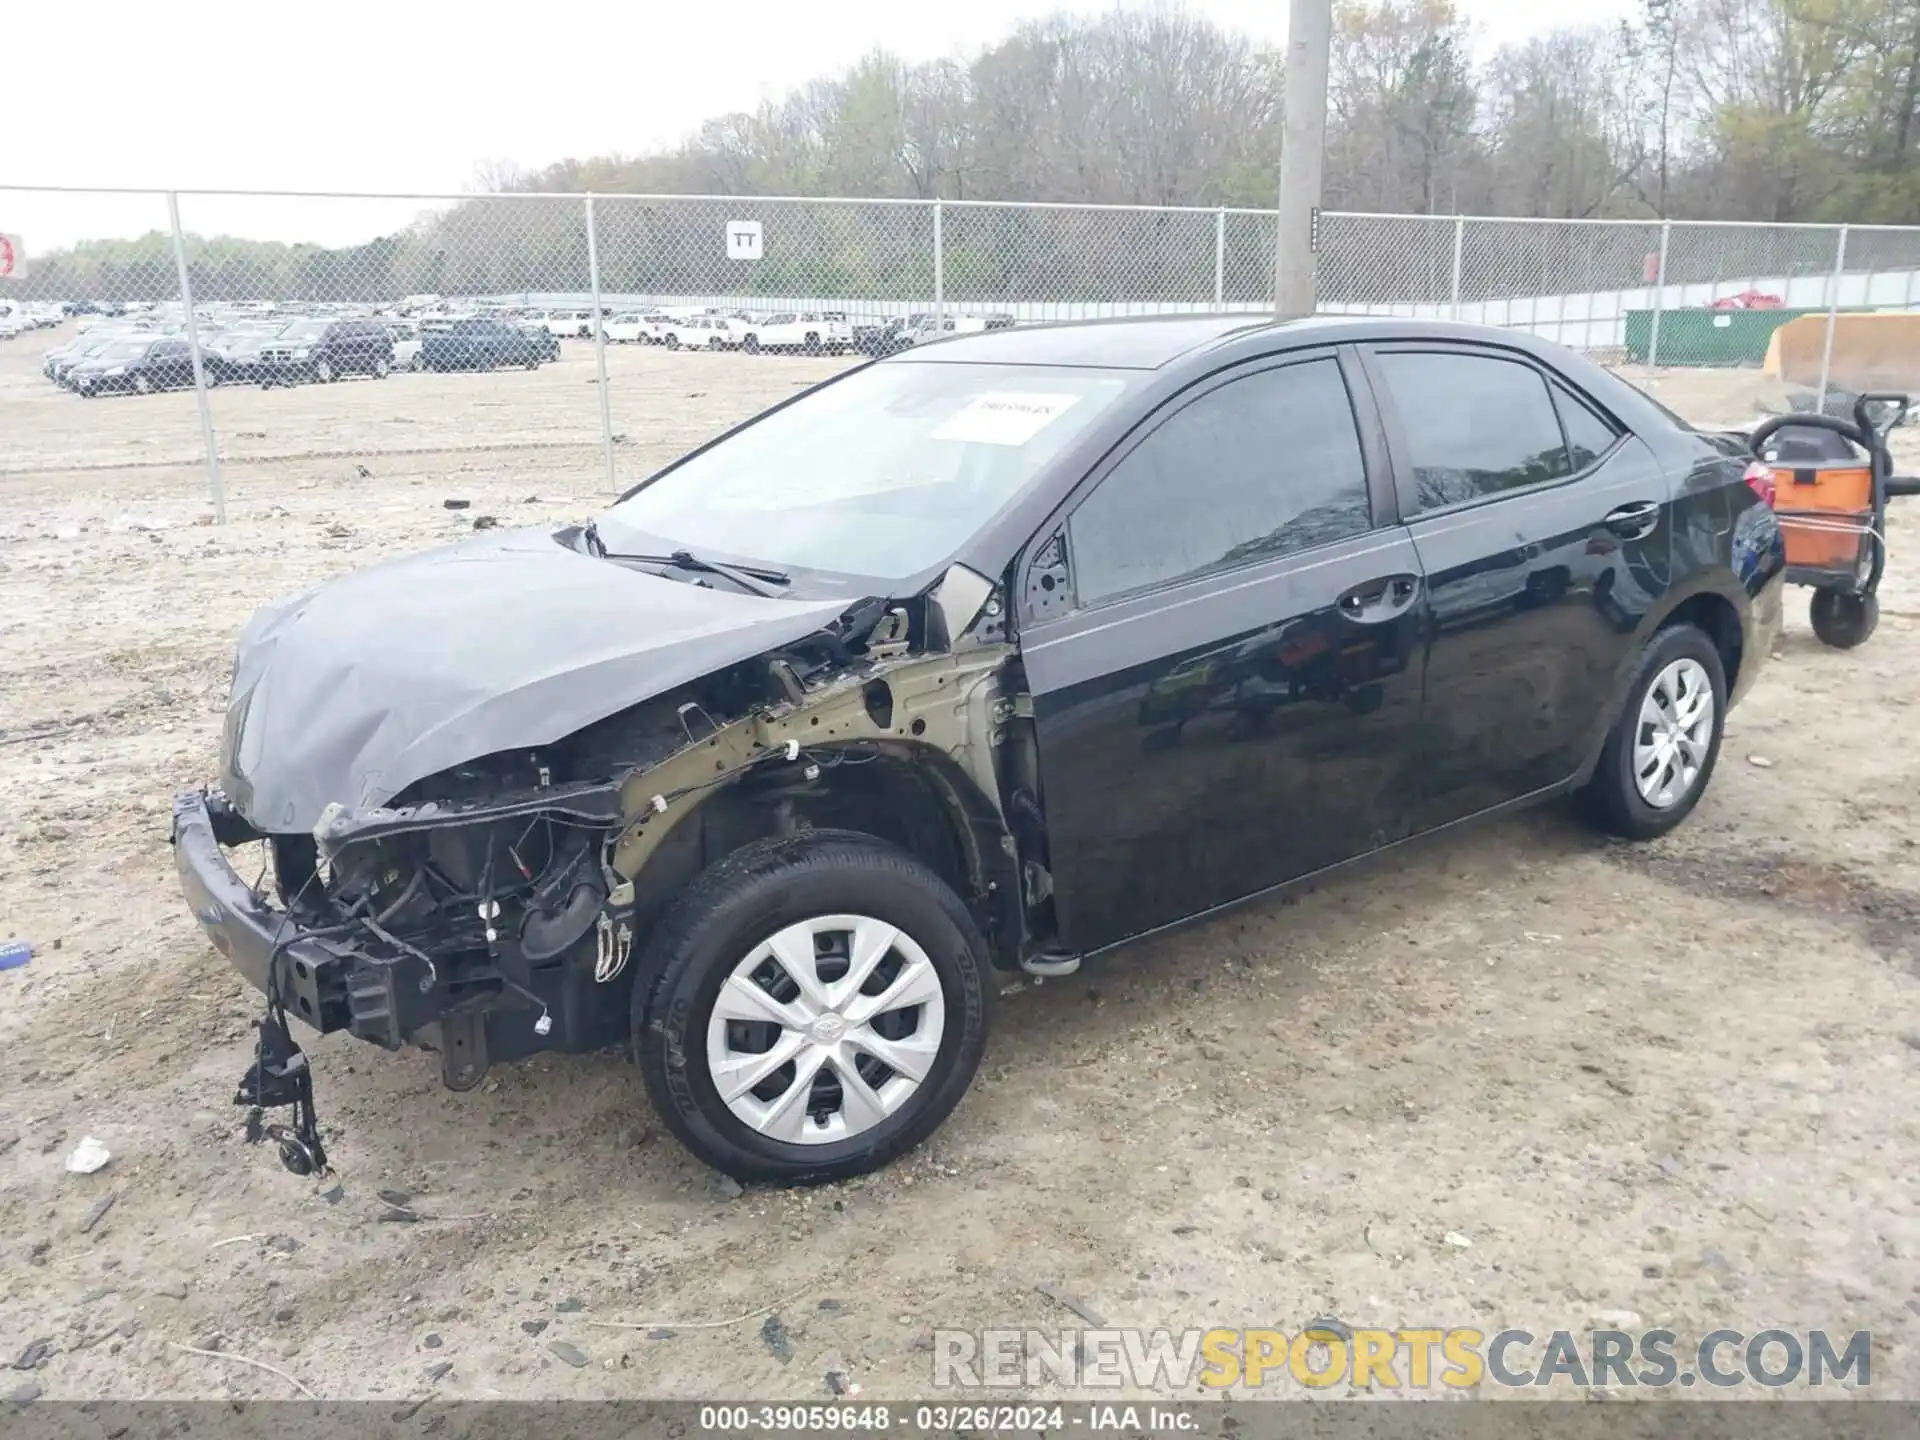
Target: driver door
(1221,639)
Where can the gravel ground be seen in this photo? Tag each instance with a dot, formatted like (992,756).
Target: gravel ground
(1677,1080)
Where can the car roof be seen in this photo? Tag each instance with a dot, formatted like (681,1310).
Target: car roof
(1153,342)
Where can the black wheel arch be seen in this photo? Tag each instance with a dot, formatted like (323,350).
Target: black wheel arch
(1708,605)
(910,795)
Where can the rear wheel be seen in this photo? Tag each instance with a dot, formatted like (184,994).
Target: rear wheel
(1656,763)
(813,343)
(673,342)
(323,370)
(143,383)
(751,344)
(1843,620)
(382,367)
(821,1007)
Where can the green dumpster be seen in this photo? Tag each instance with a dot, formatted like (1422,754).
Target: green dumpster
(1707,338)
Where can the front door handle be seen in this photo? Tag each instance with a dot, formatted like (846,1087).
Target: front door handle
(1635,521)
(1378,600)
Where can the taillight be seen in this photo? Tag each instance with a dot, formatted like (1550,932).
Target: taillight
(1760,479)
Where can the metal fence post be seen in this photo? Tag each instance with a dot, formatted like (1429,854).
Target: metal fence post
(1459,250)
(1659,294)
(1219,259)
(1833,314)
(600,349)
(215,491)
(939,274)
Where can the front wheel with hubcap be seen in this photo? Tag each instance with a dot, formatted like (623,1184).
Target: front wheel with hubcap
(323,370)
(1843,620)
(1661,752)
(820,1007)
(382,367)
(143,383)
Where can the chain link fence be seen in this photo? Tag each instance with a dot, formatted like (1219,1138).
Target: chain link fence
(503,326)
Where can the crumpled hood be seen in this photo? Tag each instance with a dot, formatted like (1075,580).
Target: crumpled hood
(355,689)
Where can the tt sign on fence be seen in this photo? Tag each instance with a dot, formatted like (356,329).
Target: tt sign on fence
(253,288)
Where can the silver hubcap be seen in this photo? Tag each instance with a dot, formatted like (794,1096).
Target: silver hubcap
(825,1029)
(1675,730)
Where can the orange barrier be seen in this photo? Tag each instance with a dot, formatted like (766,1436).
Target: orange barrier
(1870,351)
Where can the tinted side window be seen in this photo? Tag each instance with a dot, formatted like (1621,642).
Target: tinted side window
(1474,425)
(1588,436)
(1260,467)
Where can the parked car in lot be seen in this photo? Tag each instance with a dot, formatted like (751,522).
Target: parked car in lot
(325,351)
(570,324)
(629,327)
(142,365)
(58,363)
(699,332)
(405,335)
(988,657)
(478,343)
(816,332)
(232,357)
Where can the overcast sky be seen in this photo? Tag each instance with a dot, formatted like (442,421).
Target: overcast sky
(413,95)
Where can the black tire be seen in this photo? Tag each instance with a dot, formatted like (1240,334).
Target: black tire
(733,907)
(751,344)
(533,362)
(812,343)
(1611,801)
(382,367)
(672,342)
(1842,620)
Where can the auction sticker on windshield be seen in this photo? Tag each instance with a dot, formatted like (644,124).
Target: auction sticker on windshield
(1004,417)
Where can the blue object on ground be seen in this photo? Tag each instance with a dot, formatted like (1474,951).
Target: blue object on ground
(14,953)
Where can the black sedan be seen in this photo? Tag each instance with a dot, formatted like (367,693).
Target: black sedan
(483,343)
(141,365)
(988,657)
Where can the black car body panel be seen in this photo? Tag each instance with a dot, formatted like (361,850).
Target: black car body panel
(1120,750)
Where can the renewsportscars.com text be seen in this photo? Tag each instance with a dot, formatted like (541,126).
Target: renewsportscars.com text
(1457,1358)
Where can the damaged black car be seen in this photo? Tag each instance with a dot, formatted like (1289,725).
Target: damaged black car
(979,659)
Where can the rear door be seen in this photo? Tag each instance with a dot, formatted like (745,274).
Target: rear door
(1543,528)
(1221,644)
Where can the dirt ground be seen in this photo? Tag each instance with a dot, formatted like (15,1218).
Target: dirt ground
(1678,1080)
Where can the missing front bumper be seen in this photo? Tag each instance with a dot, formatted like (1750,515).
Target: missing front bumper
(332,982)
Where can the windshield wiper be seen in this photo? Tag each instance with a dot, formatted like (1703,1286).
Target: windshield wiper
(747,577)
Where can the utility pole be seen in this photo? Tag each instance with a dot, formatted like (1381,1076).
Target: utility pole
(1302,149)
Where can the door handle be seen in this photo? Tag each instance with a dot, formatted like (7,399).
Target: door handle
(1378,600)
(1635,521)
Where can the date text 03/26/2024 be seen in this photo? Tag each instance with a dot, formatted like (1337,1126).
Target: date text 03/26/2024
(943,1419)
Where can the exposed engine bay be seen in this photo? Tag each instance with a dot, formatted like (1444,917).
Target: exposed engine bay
(495,909)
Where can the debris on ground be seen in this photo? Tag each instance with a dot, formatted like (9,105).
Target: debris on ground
(485,522)
(452,504)
(99,1211)
(773,1334)
(1458,1241)
(35,1355)
(88,1156)
(572,1354)
(1067,1300)
(14,954)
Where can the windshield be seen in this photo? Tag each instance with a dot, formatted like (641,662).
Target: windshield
(302,330)
(124,349)
(882,474)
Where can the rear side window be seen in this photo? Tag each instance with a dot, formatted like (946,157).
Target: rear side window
(1474,425)
(1260,467)
(1588,435)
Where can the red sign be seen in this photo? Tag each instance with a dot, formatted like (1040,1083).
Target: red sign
(13,258)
